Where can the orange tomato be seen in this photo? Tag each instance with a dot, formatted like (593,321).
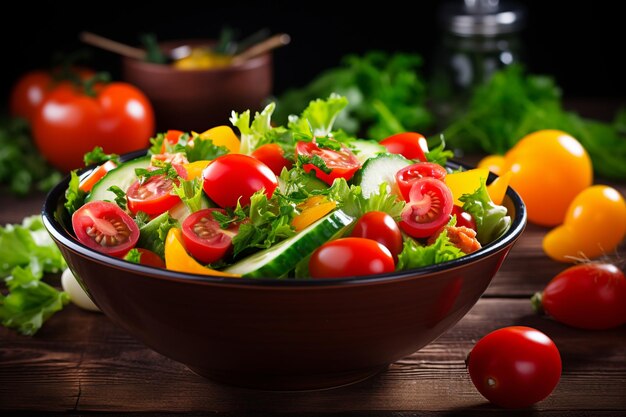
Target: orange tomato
(493,163)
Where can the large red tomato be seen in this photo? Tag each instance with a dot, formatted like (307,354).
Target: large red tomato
(69,123)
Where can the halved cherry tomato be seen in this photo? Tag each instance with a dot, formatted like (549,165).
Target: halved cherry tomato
(342,163)
(381,227)
(428,209)
(515,367)
(104,227)
(147,257)
(463,218)
(407,175)
(95,176)
(588,296)
(153,197)
(272,155)
(411,145)
(204,239)
(235,177)
(350,256)
(171,138)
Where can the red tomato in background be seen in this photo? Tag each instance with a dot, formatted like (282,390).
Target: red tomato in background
(342,163)
(233,176)
(69,123)
(149,258)
(515,367)
(429,208)
(408,175)
(381,227)
(153,197)
(204,239)
(463,218)
(104,227)
(350,256)
(587,296)
(272,155)
(411,145)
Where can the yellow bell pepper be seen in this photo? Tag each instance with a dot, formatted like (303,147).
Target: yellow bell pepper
(177,258)
(313,209)
(497,189)
(223,136)
(465,182)
(194,169)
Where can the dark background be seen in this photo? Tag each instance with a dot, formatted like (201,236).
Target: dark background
(582,47)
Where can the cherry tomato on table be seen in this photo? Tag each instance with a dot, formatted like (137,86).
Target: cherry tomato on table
(587,296)
(428,209)
(104,227)
(204,239)
(411,145)
(234,177)
(515,367)
(342,163)
(381,227)
(408,175)
(70,123)
(272,155)
(153,197)
(350,256)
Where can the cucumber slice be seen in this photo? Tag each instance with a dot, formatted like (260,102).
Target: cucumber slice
(379,169)
(122,176)
(365,149)
(276,261)
(180,211)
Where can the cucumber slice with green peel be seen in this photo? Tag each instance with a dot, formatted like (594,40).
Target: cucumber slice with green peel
(379,169)
(281,258)
(122,176)
(365,149)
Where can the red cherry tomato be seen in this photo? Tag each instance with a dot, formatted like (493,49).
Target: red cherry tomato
(381,227)
(95,176)
(407,175)
(204,239)
(69,123)
(411,145)
(342,163)
(515,367)
(272,155)
(232,177)
(463,218)
(153,197)
(171,139)
(350,256)
(588,296)
(104,227)
(147,257)
(429,208)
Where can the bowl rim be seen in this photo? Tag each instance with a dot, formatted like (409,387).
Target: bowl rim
(62,236)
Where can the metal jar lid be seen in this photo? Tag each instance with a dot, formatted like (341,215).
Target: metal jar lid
(482,17)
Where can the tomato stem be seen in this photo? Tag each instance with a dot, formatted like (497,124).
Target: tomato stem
(89,84)
(536,302)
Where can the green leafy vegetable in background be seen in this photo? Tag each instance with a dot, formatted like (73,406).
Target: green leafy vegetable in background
(386,94)
(27,252)
(22,168)
(513,104)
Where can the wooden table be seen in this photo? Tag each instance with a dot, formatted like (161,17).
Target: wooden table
(80,362)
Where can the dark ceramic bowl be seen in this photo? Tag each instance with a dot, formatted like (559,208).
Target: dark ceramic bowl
(283,335)
(201,98)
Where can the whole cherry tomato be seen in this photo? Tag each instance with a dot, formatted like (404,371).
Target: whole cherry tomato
(350,256)
(342,163)
(381,227)
(106,228)
(429,208)
(515,367)
(69,122)
(272,155)
(204,239)
(235,177)
(407,175)
(411,145)
(147,257)
(588,296)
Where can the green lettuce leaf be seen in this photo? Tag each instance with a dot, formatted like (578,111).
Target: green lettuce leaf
(491,219)
(414,255)
(190,192)
(152,235)
(253,134)
(351,200)
(318,118)
(74,196)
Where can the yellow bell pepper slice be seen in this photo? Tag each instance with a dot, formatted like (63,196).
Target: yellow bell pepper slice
(177,258)
(313,209)
(194,169)
(465,182)
(497,189)
(223,136)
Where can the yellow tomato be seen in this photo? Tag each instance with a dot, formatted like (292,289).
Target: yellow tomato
(465,182)
(549,168)
(223,136)
(594,225)
(493,163)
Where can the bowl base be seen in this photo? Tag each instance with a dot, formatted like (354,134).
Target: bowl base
(273,382)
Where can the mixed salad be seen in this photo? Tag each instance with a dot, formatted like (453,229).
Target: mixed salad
(288,202)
